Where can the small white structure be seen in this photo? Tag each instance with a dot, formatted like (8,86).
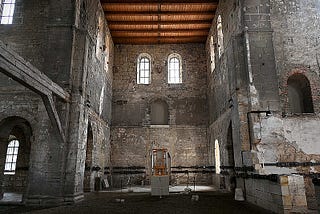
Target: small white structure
(161,166)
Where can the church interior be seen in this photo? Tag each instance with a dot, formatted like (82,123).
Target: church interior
(99,95)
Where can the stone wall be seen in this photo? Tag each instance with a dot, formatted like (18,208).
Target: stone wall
(286,195)
(41,33)
(91,65)
(70,43)
(296,44)
(226,81)
(133,135)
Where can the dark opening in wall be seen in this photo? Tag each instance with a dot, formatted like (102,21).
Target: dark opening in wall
(230,147)
(299,94)
(87,187)
(159,113)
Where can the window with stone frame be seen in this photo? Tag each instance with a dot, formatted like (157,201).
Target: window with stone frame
(7,11)
(174,69)
(106,53)
(220,36)
(144,69)
(11,157)
(212,54)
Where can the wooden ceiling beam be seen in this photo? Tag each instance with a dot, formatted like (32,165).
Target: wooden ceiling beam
(194,22)
(159,22)
(157,1)
(155,27)
(161,33)
(156,13)
(132,17)
(191,25)
(166,7)
(162,40)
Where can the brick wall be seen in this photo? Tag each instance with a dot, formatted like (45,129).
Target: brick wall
(133,136)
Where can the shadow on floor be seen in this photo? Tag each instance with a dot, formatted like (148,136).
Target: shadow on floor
(144,203)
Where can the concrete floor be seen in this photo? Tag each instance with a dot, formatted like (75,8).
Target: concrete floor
(139,202)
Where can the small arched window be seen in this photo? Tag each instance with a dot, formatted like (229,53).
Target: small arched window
(144,69)
(11,157)
(159,113)
(217,156)
(174,69)
(7,11)
(220,36)
(299,94)
(212,54)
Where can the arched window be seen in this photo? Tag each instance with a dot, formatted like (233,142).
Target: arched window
(217,156)
(7,11)
(212,54)
(106,53)
(220,36)
(144,69)
(99,47)
(11,157)
(174,69)
(299,94)
(159,113)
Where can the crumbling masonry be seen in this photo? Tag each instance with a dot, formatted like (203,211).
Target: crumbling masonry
(71,98)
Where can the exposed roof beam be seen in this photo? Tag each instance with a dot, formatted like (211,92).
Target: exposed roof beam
(159,21)
(112,23)
(162,40)
(132,17)
(154,7)
(157,1)
(169,13)
(161,33)
(14,66)
(191,25)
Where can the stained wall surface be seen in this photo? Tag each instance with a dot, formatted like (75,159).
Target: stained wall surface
(70,43)
(134,135)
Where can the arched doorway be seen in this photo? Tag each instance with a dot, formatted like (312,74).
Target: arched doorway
(15,147)
(87,181)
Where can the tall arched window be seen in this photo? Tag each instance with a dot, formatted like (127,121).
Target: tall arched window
(99,44)
(174,69)
(212,54)
(217,156)
(220,36)
(7,11)
(299,94)
(144,69)
(11,157)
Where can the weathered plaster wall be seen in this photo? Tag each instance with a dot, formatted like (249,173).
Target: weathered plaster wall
(185,134)
(285,143)
(296,43)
